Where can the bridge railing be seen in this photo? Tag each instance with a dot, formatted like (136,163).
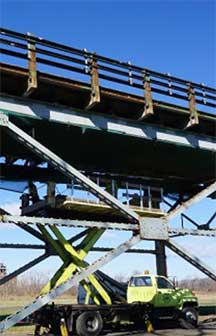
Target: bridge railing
(99,68)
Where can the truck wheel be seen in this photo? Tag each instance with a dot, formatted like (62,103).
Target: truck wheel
(188,318)
(89,324)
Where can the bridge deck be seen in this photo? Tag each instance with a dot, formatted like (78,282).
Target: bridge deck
(172,145)
(73,93)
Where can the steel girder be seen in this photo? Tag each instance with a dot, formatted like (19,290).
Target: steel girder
(93,249)
(25,221)
(26,108)
(194,260)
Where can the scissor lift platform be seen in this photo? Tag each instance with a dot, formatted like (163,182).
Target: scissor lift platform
(67,207)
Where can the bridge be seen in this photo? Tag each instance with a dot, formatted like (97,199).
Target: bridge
(121,138)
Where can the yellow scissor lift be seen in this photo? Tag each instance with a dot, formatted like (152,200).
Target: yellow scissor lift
(73,256)
(73,261)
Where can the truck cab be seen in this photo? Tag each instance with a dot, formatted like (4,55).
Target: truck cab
(166,299)
(151,288)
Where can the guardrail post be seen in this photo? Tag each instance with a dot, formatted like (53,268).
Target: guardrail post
(194,119)
(32,77)
(95,90)
(148,108)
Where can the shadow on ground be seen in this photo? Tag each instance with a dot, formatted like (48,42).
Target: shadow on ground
(168,328)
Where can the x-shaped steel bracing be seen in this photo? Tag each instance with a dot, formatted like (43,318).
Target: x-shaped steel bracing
(73,260)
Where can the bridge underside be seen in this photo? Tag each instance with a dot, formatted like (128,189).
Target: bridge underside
(178,167)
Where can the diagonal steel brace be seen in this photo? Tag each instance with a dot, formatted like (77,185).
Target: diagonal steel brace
(74,280)
(23,268)
(58,163)
(193,260)
(195,199)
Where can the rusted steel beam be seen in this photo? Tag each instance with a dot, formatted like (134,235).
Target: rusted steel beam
(148,108)
(193,119)
(32,77)
(95,89)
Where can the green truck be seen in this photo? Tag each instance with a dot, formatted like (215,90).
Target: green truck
(166,299)
(143,301)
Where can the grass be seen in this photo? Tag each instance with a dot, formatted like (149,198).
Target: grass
(207,299)
(20,331)
(12,304)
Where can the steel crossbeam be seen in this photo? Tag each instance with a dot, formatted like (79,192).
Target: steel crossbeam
(25,220)
(93,249)
(31,230)
(23,246)
(193,200)
(193,260)
(74,280)
(191,232)
(24,268)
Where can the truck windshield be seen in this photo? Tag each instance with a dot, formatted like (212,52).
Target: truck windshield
(163,283)
(144,281)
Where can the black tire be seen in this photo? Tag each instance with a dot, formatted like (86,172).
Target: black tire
(89,324)
(188,318)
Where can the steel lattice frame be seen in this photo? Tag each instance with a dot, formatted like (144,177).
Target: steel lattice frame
(142,228)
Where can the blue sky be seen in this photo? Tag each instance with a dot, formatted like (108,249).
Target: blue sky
(168,36)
